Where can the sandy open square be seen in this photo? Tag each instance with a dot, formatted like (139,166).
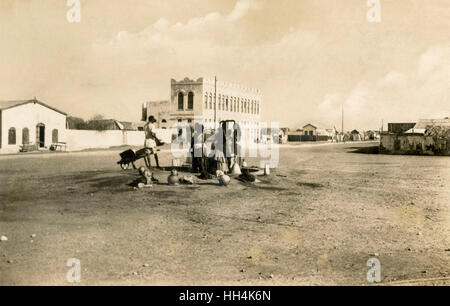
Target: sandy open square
(316,219)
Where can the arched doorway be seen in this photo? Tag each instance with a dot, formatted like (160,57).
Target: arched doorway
(40,135)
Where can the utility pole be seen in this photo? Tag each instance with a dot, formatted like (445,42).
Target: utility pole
(342,119)
(215,101)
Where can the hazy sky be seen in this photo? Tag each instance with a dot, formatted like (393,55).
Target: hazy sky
(307,56)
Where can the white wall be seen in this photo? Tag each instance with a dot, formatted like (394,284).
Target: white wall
(86,139)
(28,116)
(134,138)
(165,135)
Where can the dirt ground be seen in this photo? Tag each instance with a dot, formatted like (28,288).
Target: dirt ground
(317,226)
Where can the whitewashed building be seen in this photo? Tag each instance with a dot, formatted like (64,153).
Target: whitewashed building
(210,101)
(30,122)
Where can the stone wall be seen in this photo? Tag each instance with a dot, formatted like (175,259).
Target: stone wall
(413,144)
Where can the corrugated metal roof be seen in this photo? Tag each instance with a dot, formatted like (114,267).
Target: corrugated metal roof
(423,123)
(10,104)
(416,131)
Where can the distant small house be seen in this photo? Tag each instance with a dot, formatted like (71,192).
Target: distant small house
(30,122)
(424,123)
(430,137)
(355,135)
(369,135)
(400,127)
(309,130)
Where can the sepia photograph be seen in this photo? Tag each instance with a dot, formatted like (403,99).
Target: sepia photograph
(225,144)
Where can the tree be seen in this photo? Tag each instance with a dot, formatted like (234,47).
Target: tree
(75,123)
(97,117)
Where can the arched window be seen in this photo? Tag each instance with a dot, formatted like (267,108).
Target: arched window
(164,121)
(180,101)
(191,100)
(206,101)
(25,136)
(219,105)
(55,136)
(226,107)
(210,102)
(12,136)
(234,106)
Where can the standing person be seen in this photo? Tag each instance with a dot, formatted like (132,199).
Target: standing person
(151,141)
(197,147)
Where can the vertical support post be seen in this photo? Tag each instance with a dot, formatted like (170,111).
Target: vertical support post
(215,102)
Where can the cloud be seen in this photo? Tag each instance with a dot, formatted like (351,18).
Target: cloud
(423,93)
(434,59)
(205,27)
(301,63)
(392,79)
(202,46)
(242,7)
